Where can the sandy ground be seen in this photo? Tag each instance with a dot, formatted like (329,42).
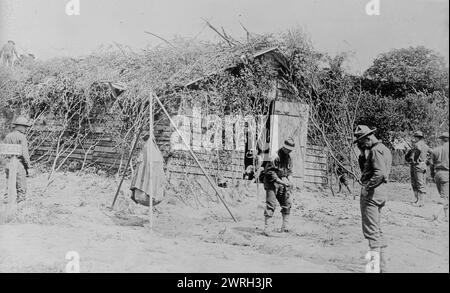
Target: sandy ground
(199,236)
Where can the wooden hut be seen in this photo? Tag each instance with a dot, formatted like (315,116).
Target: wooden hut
(285,117)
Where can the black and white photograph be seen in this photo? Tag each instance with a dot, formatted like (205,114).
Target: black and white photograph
(224,138)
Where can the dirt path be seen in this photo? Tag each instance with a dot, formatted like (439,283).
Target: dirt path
(73,216)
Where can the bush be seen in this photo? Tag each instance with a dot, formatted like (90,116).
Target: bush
(400,173)
(398,118)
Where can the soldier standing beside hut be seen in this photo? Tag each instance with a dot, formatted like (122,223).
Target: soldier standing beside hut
(375,161)
(278,186)
(17,136)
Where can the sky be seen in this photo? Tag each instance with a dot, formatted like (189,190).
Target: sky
(43,28)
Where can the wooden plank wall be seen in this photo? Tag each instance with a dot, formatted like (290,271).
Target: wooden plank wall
(230,164)
(220,163)
(316,166)
(226,164)
(102,152)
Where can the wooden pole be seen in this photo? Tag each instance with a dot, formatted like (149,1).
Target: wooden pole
(194,157)
(2,207)
(330,175)
(126,168)
(257,188)
(150,161)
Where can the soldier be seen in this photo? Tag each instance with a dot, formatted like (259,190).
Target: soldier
(375,160)
(8,50)
(342,176)
(440,170)
(417,157)
(24,169)
(277,183)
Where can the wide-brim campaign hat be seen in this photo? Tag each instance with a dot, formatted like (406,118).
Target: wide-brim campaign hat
(22,121)
(362,131)
(444,135)
(418,134)
(289,144)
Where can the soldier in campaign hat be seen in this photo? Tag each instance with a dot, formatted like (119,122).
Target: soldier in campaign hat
(18,136)
(418,157)
(375,162)
(278,186)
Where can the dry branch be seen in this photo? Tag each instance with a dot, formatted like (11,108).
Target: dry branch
(229,42)
(161,38)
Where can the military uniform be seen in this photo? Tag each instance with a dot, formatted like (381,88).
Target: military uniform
(277,173)
(417,157)
(17,137)
(440,169)
(375,164)
(8,51)
(280,167)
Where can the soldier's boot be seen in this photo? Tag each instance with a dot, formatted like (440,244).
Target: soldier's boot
(421,201)
(267,226)
(285,225)
(416,197)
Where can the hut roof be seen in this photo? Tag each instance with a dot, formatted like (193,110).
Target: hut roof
(223,61)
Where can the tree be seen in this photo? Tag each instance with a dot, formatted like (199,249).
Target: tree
(395,118)
(408,70)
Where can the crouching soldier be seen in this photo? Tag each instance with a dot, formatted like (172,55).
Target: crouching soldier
(17,136)
(277,183)
(375,161)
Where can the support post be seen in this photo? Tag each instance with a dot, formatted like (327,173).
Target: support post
(151,162)
(126,168)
